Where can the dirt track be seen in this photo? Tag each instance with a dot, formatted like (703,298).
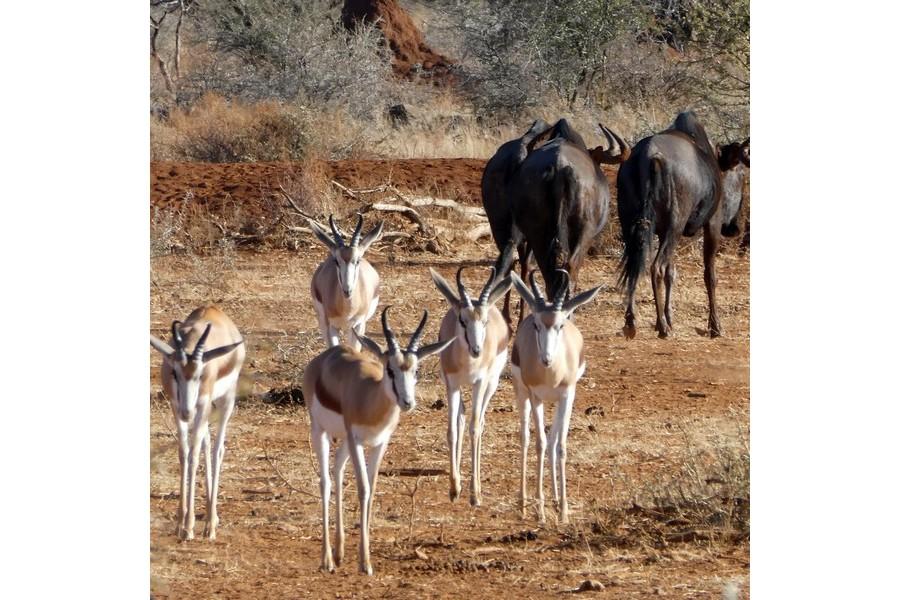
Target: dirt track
(644,409)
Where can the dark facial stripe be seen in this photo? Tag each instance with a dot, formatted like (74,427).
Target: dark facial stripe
(515,355)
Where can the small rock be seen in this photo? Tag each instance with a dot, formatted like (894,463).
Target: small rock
(421,555)
(589,585)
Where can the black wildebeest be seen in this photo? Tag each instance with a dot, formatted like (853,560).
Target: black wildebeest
(673,184)
(546,194)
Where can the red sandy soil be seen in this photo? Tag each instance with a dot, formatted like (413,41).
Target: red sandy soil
(405,40)
(644,409)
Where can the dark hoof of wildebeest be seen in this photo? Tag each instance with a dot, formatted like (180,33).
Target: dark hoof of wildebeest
(629,331)
(714,333)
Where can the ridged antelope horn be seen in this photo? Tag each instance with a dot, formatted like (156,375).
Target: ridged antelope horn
(357,233)
(486,290)
(179,342)
(463,294)
(561,289)
(538,296)
(417,335)
(388,334)
(197,355)
(334,231)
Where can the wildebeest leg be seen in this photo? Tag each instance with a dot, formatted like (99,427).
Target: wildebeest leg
(657,270)
(671,274)
(524,251)
(711,236)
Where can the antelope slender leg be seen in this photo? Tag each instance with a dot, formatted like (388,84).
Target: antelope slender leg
(218,456)
(340,461)
(320,447)
(454,416)
(376,454)
(476,428)
(206,451)
(564,415)
(362,488)
(201,422)
(537,410)
(183,453)
(360,329)
(711,236)
(523,405)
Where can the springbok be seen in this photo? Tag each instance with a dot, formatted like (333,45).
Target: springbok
(201,385)
(547,362)
(476,357)
(345,286)
(357,397)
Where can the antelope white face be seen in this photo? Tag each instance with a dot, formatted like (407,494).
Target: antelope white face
(400,375)
(347,260)
(548,329)
(187,384)
(471,326)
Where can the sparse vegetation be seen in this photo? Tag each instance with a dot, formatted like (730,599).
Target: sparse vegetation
(286,76)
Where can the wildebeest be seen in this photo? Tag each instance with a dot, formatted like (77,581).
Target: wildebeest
(546,194)
(673,184)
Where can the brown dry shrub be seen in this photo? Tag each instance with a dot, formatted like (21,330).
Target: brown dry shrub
(218,130)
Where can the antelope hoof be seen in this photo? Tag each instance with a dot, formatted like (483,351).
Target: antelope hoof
(338,556)
(454,492)
(366,569)
(327,564)
(629,331)
(475,499)
(186,534)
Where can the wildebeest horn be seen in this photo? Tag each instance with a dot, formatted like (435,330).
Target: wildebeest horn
(417,335)
(538,296)
(388,334)
(334,230)
(486,290)
(357,233)
(613,141)
(561,289)
(197,355)
(463,294)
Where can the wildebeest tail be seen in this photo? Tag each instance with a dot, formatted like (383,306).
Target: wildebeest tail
(638,237)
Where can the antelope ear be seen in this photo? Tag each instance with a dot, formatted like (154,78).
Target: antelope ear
(523,290)
(444,288)
(220,351)
(373,236)
(430,349)
(160,345)
(368,343)
(499,290)
(582,298)
(323,235)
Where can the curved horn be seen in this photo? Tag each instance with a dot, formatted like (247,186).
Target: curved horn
(561,289)
(178,340)
(538,296)
(197,355)
(334,230)
(388,334)
(614,142)
(357,233)
(417,335)
(463,294)
(176,335)
(486,290)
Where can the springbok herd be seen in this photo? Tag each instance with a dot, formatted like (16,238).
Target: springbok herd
(540,200)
